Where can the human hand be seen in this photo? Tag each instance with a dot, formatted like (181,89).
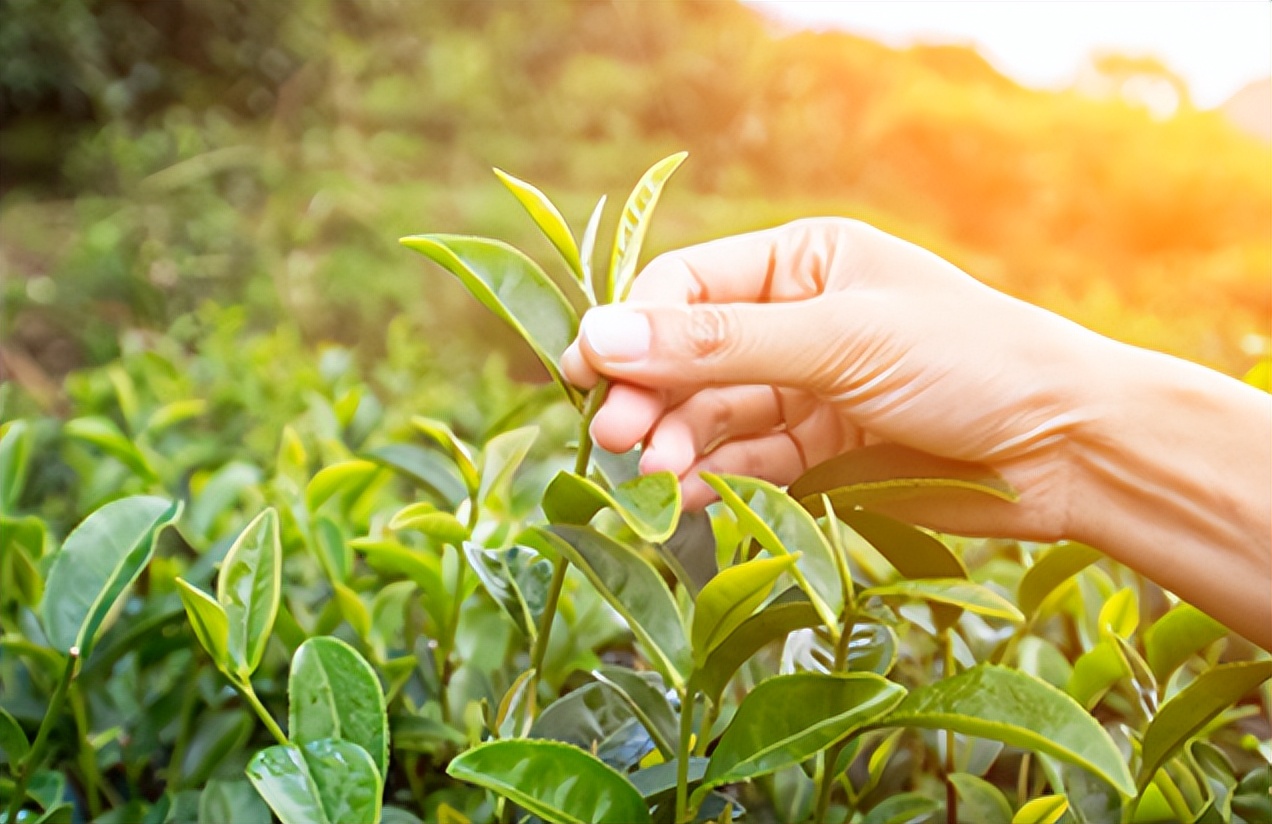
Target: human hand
(764,354)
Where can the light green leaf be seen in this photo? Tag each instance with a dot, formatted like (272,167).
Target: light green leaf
(902,808)
(648,504)
(1196,705)
(517,707)
(1095,671)
(1177,636)
(648,702)
(428,519)
(334,693)
(352,608)
(781,526)
(1119,615)
(787,719)
(512,286)
(323,782)
(97,562)
(631,586)
(231,802)
(421,567)
(888,473)
(784,614)
(249,588)
(633,225)
(441,434)
(208,621)
(1046,809)
(547,217)
(338,478)
(500,458)
(424,468)
(516,578)
(1005,705)
(588,248)
(728,600)
(1053,568)
(335,556)
(15,452)
(557,782)
(171,414)
(105,435)
(13,740)
(960,593)
(980,801)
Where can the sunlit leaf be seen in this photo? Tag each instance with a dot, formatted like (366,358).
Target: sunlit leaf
(1053,568)
(249,589)
(784,614)
(516,578)
(633,225)
(334,693)
(15,452)
(547,217)
(428,519)
(1119,614)
(500,458)
(587,249)
(648,504)
(1177,636)
(337,479)
(322,782)
(1046,809)
(728,600)
(423,467)
(960,593)
(557,782)
(1095,671)
(97,562)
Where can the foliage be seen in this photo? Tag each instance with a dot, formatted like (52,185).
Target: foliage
(417,622)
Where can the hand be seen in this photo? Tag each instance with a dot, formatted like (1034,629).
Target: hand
(764,354)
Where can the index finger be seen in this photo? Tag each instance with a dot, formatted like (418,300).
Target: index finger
(785,263)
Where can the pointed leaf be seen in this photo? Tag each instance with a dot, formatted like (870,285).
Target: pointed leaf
(423,569)
(632,587)
(423,467)
(1119,616)
(980,801)
(729,598)
(1095,671)
(648,702)
(633,225)
(352,608)
(338,478)
(322,782)
(428,519)
(1053,568)
(595,717)
(588,248)
(441,434)
(1177,636)
(230,802)
(15,451)
(1196,705)
(512,286)
(1005,705)
(105,435)
(889,473)
(334,693)
(787,719)
(1046,809)
(547,217)
(208,621)
(249,589)
(784,614)
(557,782)
(648,504)
(97,562)
(501,457)
(171,414)
(903,808)
(960,593)
(335,556)
(13,739)
(516,578)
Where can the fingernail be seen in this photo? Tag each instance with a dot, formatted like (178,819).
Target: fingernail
(616,333)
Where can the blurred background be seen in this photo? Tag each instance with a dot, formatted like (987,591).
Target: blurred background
(194,176)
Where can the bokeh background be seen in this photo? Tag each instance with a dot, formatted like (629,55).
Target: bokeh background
(224,181)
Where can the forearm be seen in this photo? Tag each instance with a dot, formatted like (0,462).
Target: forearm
(1173,477)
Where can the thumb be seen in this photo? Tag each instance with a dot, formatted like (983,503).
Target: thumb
(665,346)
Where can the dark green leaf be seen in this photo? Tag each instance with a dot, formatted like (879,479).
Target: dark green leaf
(957,592)
(425,468)
(1196,705)
(231,802)
(980,802)
(786,613)
(648,701)
(595,717)
(217,735)
(1177,636)
(660,780)
(512,286)
(516,578)
(249,589)
(788,719)
(728,600)
(13,739)
(1053,568)
(903,808)
(890,473)
(15,451)
(633,225)
(323,782)
(417,733)
(1005,705)
(335,694)
(557,782)
(649,504)
(97,562)
(547,217)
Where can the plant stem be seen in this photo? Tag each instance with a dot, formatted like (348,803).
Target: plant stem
(591,406)
(87,758)
(245,689)
(951,793)
(32,759)
(682,751)
(537,654)
(704,740)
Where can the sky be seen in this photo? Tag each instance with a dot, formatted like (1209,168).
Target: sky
(1216,46)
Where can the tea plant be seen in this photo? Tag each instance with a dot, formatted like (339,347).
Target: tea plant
(385,621)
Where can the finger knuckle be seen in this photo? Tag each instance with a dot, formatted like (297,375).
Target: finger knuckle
(712,330)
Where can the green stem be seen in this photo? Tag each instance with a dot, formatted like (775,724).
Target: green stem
(245,689)
(704,740)
(951,792)
(537,654)
(687,702)
(34,755)
(591,406)
(87,758)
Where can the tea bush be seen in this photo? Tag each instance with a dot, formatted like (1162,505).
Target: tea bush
(231,587)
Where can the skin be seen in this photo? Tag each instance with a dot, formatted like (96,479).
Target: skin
(767,353)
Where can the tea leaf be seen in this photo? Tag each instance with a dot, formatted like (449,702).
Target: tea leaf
(105,435)
(322,782)
(1053,568)
(960,593)
(647,701)
(15,451)
(338,478)
(230,802)
(249,589)
(208,620)
(1047,809)
(97,562)
(1119,616)
(588,248)
(1095,671)
(557,782)
(648,504)
(784,614)
(516,578)
(500,458)
(728,600)
(547,217)
(420,567)
(13,739)
(442,527)
(980,801)
(598,718)
(1177,636)
(633,225)
(334,693)
(441,434)
(424,468)
(902,808)
(1005,705)
(1192,708)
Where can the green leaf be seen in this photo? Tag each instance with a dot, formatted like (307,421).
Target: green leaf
(1196,705)
(105,435)
(335,556)
(587,250)
(516,578)
(784,614)
(322,782)
(980,801)
(13,739)
(547,217)
(421,567)
(500,458)
(1119,616)
(960,593)
(632,587)
(787,719)
(334,693)
(557,782)
(1046,809)
(428,519)
(902,808)
(512,286)
(352,608)
(249,588)
(648,702)
(441,434)
(782,527)
(424,468)
(633,225)
(216,737)
(15,452)
(171,414)
(890,473)
(1053,568)
(649,504)
(1005,705)
(728,600)
(517,706)
(97,562)
(338,478)
(1095,671)
(231,802)
(209,622)
(598,718)
(1177,636)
